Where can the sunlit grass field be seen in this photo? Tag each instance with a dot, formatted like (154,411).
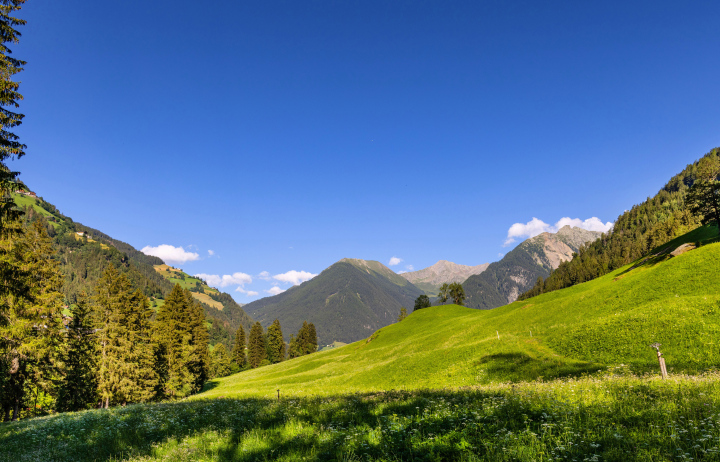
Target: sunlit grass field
(612,418)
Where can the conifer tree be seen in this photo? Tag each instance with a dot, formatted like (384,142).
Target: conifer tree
(78,387)
(221,364)
(311,344)
(31,322)
(256,346)
(10,147)
(294,350)
(704,195)
(276,344)
(200,364)
(125,362)
(174,339)
(239,348)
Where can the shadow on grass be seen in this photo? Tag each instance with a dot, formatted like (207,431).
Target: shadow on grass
(422,425)
(519,367)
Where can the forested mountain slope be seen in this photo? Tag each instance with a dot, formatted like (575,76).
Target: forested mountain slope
(503,281)
(84,253)
(636,232)
(346,302)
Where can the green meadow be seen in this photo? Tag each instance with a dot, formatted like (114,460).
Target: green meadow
(568,375)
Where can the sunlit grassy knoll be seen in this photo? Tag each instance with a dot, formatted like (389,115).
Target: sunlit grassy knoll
(611,418)
(27,201)
(611,320)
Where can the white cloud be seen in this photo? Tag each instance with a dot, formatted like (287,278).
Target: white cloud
(226,279)
(410,268)
(401,272)
(250,293)
(265,276)
(170,254)
(534,227)
(295,277)
(274,290)
(211,252)
(395,261)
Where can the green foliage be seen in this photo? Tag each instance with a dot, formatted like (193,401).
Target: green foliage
(221,364)
(444,293)
(423,301)
(704,195)
(343,302)
(10,147)
(78,387)
(256,346)
(403,314)
(456,292)
(238,351)
(126,372)
(275,343)
(646,227)
(30,317)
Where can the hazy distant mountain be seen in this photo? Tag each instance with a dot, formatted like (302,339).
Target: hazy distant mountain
(347,302)
(503,281)
(431,278)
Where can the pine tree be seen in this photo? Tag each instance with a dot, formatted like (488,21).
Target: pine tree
(239,348)
(276,344)
(311,345)
(78,387)
(256,346)
(294,350)
(200,364)
(174,340)
(221,364)
(704,195)
(10,147)
(125,363)
(31,319)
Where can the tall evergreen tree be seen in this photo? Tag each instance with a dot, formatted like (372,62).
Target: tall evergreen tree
(256,346)
(200,364)
(311,344)
(276,344)
(10,147)
(294,348)
(221,364)
(125,363)
(78,387)
(31,322)
(239,348)
(174,339)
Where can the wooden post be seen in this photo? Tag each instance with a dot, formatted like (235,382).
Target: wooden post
(278,394)
(661,360)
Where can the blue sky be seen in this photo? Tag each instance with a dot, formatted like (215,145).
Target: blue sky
(284,136)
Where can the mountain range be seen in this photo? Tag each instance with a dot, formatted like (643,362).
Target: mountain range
(431,278)
(347,301)
(503,281)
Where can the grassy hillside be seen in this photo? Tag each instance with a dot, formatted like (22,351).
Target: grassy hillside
(347,301)
(605,322)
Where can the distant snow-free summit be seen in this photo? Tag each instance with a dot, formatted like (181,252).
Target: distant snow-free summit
(431,278)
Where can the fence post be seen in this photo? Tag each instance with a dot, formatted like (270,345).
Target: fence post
(661,360)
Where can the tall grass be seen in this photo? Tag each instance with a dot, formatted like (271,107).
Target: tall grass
(614,418)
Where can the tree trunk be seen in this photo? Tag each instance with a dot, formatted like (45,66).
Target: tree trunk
(16,410)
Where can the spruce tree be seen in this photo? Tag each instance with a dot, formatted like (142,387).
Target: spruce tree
(704,195)
(256,346)
(78,387)
(10,147)
(276,344)
(174,339)
(311,345)
(294,350)
(30,326)
(221,365)
(239,348)
(125,361)
(200,364)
